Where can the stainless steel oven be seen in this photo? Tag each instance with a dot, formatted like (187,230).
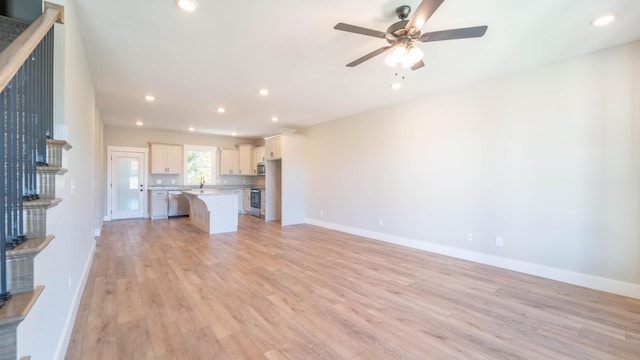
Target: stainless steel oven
(256,202)
(260,168)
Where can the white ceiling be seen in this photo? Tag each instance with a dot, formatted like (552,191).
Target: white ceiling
(222,55)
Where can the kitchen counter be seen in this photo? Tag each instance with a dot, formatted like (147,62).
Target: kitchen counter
(213,210)
(195,187)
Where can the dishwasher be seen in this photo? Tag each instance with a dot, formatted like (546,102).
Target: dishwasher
(178,204)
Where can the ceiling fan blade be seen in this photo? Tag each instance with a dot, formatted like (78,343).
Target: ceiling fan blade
(421,15)
(464,33)
(360,30)
(417,65)
(368,56)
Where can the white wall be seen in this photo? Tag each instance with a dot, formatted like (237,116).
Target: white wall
(547,158)
(45,332)
(141,137)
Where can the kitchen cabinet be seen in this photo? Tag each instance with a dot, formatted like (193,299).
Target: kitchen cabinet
(245,155)
(166,159)
(159,204)
(258,157)
(237,161)
(285,179)
(240,194)
(229,162)
(246,203)
(273,147)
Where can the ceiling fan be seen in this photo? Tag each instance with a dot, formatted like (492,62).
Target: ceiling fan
(402,34)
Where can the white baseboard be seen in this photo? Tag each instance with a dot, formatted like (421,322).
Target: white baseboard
(65,337)
(566,276)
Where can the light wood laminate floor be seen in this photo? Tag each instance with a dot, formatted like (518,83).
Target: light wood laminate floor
(166,290)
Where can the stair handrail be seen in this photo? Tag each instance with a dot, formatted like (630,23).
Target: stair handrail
(14,55)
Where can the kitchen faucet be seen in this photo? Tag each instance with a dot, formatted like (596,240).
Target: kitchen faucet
(201,182)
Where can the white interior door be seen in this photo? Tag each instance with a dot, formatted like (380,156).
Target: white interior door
(127,185)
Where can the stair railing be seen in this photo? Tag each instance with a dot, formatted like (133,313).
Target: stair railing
(26,122)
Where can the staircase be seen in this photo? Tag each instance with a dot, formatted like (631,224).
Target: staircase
(30,163)
(20,261)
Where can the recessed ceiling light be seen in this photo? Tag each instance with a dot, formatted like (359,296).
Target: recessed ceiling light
(187,5)
(139,123)
(233,133)
(149,97)
(263,92)
(396,86)
(603,20)
(221,110)
(192,129)
(274,118)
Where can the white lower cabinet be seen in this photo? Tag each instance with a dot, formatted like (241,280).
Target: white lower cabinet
(246,203)
(263,203)
(159,204)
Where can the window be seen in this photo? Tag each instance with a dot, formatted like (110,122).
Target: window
(199,165)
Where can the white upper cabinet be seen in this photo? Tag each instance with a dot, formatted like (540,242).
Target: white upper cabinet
(245,155)
(237,161)
(229,162)
(258,157)
(166,159)
(273,147)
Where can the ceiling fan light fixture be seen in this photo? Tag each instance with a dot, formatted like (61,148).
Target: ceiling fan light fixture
(413,55)
(397,54)
(187,5)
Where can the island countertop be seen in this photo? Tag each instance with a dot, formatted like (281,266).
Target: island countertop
(198,192)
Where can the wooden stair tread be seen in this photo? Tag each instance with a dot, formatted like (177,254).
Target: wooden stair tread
(31,246)
(42,203)
(17,308)
(62,143)
(51,169)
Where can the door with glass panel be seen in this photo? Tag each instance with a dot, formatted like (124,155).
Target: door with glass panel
(127,185)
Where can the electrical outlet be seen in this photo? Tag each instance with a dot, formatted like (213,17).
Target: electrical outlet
(469,236)
(158,182)
(173,181)
(321,212)
(380,223)
(499,241)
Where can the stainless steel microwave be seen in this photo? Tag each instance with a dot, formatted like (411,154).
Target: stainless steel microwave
(261,168)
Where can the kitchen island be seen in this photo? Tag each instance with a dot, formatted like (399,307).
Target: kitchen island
(214,211)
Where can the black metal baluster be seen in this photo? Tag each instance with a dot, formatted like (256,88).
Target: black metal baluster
(41,142)
(20,158)
(49,84)
(9,162)
(3,183)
